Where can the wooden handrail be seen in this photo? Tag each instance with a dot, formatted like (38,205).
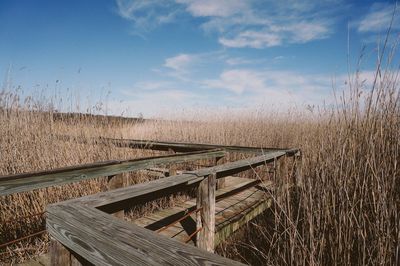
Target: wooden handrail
(30,181)
(169,145)
(85,232)
(119,199)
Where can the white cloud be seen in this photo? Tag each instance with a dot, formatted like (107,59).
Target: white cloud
(253,39)
(179,66)
(146,14)
(235,61)
(255,24)
(379,18)
(237,81)
(179,62)
(275,35)
(283,88)
(214,8)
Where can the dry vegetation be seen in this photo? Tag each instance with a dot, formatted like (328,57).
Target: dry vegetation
(346,210)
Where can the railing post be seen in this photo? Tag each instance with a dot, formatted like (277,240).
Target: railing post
(220,181)
(206,216)
(172,167)
(297,171)
(281,178)
(114,182)
(59,255)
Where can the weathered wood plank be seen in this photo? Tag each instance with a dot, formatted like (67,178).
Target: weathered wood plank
(235,167)
(59,254)
(122,198)
(114,182)
(236,204)
(184,147)
(224,230)
(221,181)
(206,216)
(104,240)
(29,181)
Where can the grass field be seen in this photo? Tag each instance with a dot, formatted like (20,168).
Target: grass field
(345,212)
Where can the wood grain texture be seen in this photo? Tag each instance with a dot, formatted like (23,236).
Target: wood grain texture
(184,147)
(59,254)
(29,181)
(104,240)
(236,204)
(206,216)
(114,182)
(221,181)
(122,198)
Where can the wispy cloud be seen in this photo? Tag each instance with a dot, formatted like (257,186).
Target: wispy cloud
(379,18)
(146,14)
(238,81)
(180,62)
(179,66)
(214,8)
(254,24)
(273,87)
(235,61)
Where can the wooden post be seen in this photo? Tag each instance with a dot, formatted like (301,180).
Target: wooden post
(59,255)
(114,182)
(281,178)
(297,171)
(172,167)
(220,181)
(205,218)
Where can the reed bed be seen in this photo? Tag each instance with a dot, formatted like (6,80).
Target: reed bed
(345,211)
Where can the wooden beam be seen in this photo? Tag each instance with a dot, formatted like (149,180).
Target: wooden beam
(104,240)
(282,178)
(30,181)
(122,198)
(183,147)
(221,181)
(114,182)
(298,170)
(205,218)
(59,255)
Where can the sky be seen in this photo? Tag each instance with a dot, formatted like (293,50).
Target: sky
(151,57)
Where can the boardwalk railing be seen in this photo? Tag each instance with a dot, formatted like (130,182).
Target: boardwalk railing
(88,230)
(30,181)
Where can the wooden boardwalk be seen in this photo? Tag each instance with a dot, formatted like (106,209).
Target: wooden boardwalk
(91,230)
(231,212)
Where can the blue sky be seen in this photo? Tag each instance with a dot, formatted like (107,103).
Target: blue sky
(153,56)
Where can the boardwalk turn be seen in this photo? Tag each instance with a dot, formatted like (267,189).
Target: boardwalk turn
(232,211)
(87,230)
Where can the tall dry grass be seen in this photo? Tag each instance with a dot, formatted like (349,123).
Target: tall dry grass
(346,210)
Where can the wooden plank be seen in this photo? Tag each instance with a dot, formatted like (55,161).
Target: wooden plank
(114,182)
(59,254)
(184,147)
(163,218)
(44,259)
(227,229)
(221,181)
(29,181)
(206,216)
(235,167)
(236,205)
(122,198)
(104,240)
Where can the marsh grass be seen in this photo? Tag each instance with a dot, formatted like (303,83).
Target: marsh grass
(344,212)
